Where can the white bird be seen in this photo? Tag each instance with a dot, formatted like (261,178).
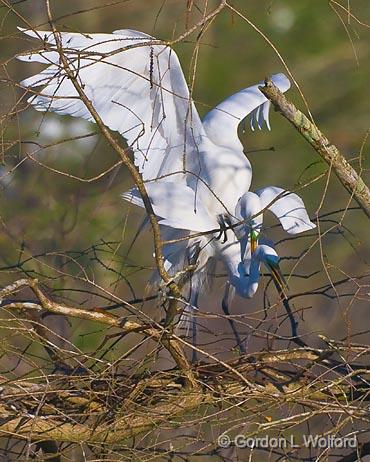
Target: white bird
(177,211)
(136,85)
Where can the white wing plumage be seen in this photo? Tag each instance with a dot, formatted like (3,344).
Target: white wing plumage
(136,86)
(176,205)
(230,112)
(289,209)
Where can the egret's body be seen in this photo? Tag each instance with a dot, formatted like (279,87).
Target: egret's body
(223,175)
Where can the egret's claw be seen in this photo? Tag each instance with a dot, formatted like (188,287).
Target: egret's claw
(224,222)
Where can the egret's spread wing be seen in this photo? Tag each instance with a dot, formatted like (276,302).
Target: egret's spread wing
(135,84)
(175,204)
(289,209)
(221,123)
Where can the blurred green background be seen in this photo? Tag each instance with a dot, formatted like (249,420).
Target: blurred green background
(57,228)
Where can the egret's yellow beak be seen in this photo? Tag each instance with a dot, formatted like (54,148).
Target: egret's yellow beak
(278,277)
(254,240)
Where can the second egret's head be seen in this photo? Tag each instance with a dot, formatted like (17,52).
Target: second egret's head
(248,205)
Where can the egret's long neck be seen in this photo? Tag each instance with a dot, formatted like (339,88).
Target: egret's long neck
(245,283)
(254,275)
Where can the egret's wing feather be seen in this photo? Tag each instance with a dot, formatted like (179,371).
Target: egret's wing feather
(174,254)
(221,123)
(289,209)
(135,84)
(174,204)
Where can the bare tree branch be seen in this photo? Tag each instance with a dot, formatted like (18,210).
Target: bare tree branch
(346,174)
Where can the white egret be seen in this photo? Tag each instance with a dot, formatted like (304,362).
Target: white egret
(136,85)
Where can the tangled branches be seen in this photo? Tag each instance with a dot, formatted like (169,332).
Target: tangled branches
(109,409)
(95,351)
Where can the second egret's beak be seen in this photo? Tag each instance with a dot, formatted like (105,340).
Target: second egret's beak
(254,240)
(278,276)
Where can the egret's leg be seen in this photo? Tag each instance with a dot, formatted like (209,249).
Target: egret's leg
(225,309)
(194,303)
(227,223)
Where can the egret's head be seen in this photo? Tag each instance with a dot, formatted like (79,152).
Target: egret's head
(249,204)
(247,209)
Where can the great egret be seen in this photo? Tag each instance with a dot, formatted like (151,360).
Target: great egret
(136,85)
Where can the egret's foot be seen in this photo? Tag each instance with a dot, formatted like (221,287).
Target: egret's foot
(241,346)
(194,355)
(239,342)
(224,222)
